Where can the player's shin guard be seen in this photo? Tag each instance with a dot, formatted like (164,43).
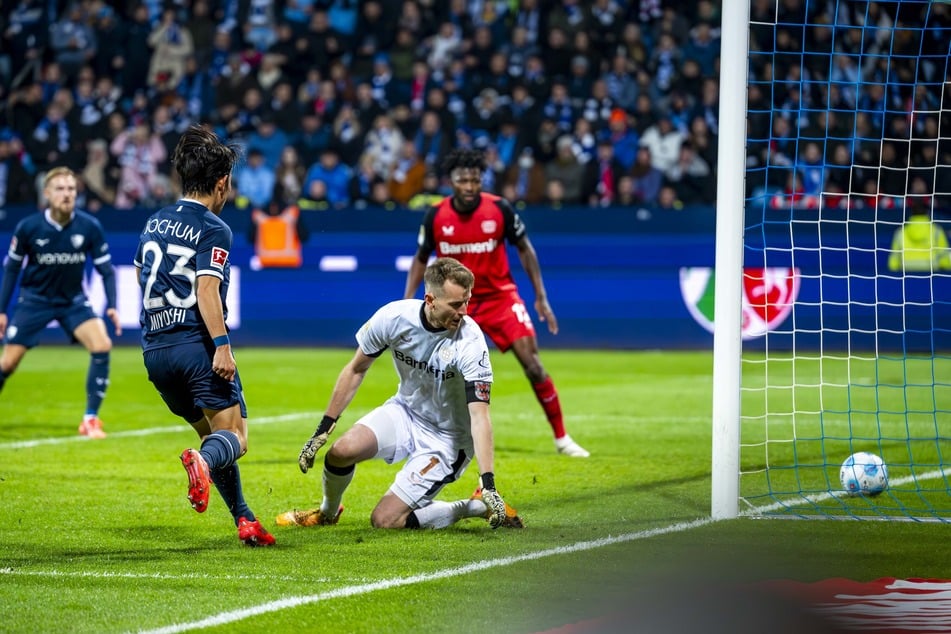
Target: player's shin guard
(220,449)
(547,397)
(97,381)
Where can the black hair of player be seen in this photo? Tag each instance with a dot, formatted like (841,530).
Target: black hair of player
(201,159)
(463,157)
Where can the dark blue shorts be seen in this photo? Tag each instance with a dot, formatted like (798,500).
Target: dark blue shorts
(31,317)
(183,376)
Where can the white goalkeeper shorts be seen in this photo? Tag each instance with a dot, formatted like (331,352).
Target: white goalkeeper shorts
(433,460)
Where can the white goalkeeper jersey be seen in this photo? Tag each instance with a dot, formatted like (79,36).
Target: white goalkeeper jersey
(433,365)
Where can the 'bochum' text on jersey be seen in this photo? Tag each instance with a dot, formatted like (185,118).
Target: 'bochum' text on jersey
(433,365)
(179,244)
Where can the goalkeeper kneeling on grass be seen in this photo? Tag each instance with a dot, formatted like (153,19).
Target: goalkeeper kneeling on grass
(437,421)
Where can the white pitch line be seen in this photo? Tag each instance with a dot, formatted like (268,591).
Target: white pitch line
(148,575)
(232,616)
(149,431)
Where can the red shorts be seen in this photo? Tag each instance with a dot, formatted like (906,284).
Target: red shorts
(502,317)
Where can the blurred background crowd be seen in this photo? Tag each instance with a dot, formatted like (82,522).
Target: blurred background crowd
(349,104)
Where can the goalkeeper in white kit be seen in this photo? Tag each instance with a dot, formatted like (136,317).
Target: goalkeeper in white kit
(436,422)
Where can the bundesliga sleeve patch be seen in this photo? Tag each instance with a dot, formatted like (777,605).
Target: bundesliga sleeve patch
(218,258)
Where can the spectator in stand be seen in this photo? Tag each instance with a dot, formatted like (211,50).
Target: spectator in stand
(288,178)
(536,78)
(138,153)
(171,45)
(258,24)
(517,49)
(621,86)
(269,139)
(432,142)
(559,107)
(49,143)
(703,46)
(664,141)
(73,41)
(703,141)
(579,81)
(328,181)
(692,177)
(383,143)
(598,106)
(442,47)
(647,178)
(603,174)
(566,169)
(483,117)
(406,179)
(16,172)
(622,137)
(525,180)
(312,138)
(667,198)
(100,176)
(626,192)
(664,62)
(26,35)
(254,182)
(367,108)
(432,192)
(812,168)
(349,136)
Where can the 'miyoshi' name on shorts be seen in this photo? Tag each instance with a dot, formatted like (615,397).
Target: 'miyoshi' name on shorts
(176,228)
(167,317)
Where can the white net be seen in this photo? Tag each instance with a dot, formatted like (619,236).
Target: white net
(846,259)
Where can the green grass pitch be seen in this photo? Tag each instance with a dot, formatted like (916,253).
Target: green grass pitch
(97,536)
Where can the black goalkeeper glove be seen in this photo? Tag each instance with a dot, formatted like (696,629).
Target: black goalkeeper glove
(306,459)
(493,501)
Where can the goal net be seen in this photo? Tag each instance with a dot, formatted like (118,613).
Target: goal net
(846,284)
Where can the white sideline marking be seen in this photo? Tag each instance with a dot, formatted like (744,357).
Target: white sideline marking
(150,431)
(223,618)
(141,575)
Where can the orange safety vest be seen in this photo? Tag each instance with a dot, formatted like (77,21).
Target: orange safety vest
(277,244)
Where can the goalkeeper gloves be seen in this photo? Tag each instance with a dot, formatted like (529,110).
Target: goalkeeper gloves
(306,459)
(492,500)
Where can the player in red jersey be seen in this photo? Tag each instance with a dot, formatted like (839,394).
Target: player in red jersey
(473,227)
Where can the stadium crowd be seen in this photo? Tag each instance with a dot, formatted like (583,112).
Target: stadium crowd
(345,104)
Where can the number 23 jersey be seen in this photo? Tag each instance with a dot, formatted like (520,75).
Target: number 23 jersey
(179,244)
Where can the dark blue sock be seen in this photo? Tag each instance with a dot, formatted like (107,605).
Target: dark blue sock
(228,482)
(3,379)
(97,380)
(220,449)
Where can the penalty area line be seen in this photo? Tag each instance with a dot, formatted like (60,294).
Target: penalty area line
(232,616)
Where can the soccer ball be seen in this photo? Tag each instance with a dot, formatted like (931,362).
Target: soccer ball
(864,473)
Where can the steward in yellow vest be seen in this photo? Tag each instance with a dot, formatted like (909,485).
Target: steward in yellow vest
(920,245)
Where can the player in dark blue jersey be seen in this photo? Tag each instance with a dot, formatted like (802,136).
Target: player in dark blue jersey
(55,247)
(184,272)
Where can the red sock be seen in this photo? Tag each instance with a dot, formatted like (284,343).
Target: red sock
(547,397)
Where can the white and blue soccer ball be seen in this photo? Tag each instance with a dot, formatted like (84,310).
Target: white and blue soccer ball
(864,473)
